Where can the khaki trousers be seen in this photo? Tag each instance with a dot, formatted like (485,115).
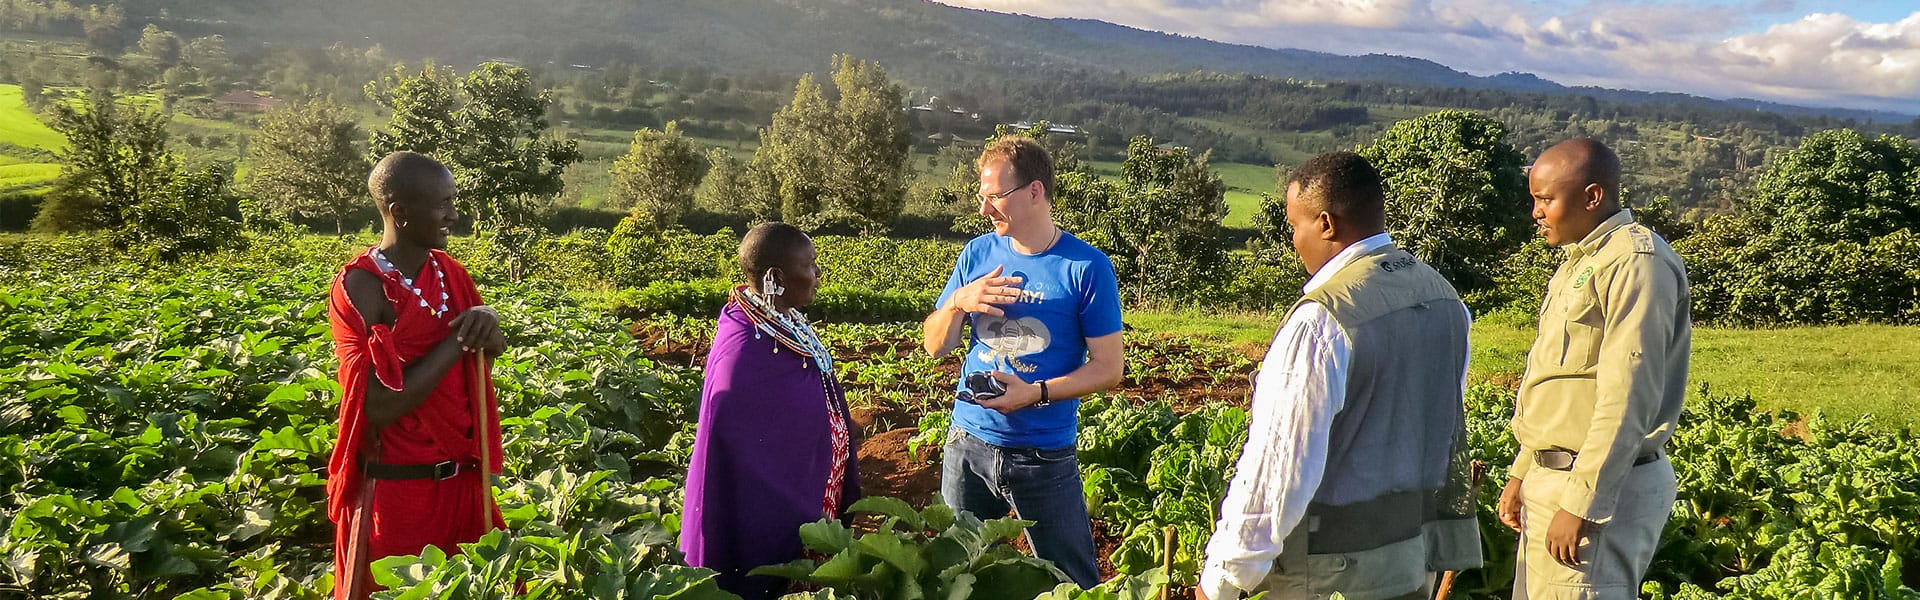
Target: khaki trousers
(1613,559)
(1394,572)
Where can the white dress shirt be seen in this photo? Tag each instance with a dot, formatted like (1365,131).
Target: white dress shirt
(1301,385)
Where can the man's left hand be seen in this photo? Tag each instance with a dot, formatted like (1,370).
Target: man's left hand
(1200,593)
(1020,394)
(1565,535)
(478,330)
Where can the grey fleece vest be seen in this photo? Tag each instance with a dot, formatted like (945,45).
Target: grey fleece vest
(1397,465)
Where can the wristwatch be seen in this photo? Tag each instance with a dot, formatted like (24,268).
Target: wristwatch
(1044,402)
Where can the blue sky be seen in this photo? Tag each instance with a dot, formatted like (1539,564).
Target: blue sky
(1858,54)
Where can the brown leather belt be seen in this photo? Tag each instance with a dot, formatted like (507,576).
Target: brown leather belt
(1561,459)
(439,471)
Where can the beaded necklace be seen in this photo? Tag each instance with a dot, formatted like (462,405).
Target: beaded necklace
(380,258)
(789,328)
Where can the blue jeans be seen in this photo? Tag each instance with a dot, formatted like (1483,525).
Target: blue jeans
(1042,486)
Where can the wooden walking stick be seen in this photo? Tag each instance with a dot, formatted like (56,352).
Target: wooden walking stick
(481,371)
(1167,562)
(1446,579)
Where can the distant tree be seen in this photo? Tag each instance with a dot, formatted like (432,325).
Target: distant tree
(763,193)
(725,189)
(305,163)
(103,26)
(869,166)
(160,45)
(490,130)
(117,173)
(1831,234)
(210,59)
(116,156)
(195,212)
(839,162)
(791,160)
(657,175)
(1164,225)
(1456,196)
(423,106)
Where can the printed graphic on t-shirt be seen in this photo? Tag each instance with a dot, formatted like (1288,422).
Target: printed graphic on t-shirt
(1004,340)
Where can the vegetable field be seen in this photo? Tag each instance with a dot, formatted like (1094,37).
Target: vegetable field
(164,433)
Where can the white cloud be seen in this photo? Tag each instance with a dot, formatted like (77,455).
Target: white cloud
(1828,59)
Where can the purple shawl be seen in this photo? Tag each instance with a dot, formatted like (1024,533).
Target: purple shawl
(760,457)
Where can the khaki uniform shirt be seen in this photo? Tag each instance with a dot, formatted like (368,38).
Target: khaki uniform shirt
(1608,370)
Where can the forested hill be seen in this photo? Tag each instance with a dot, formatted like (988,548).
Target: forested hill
(930,44)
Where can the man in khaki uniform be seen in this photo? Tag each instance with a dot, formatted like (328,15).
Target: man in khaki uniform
(1603,388)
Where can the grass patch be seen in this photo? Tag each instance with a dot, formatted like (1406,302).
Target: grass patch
(21,127)
(19,177)
(1848,372)
(1244,182)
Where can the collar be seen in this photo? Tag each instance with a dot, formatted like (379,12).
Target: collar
(1347,255)
(1598,236)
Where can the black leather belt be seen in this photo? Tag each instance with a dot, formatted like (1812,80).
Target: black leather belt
(442,470)
(1561,459)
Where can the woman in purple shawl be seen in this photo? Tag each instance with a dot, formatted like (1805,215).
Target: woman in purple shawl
(775,447)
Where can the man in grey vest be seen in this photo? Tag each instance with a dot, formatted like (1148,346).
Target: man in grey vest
(1355,477)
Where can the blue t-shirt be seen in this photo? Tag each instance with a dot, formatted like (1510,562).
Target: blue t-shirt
(1068,294)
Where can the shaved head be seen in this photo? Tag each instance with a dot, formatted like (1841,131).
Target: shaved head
(1584,162)
(407,177)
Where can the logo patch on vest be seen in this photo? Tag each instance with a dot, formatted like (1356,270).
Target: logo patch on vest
(1586,275)
(1405,262)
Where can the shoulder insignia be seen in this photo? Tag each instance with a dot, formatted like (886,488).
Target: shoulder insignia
(1642,239)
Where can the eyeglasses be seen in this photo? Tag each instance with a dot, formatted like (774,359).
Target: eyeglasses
(983,198)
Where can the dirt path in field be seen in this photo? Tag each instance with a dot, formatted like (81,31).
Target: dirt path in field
(888,469)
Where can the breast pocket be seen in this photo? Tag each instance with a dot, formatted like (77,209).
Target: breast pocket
(1581,345)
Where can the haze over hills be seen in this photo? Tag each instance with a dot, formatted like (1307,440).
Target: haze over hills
(926,43)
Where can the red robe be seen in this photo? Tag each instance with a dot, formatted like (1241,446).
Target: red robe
(402,517)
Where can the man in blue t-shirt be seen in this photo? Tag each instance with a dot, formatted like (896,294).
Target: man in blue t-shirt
(1045,314)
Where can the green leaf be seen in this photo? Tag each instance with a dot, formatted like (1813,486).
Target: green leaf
(937,515)
(255,520)
(1002,529)
(826,536)
(892,507)
(110,555)
(796,570)
(675,582)
(944,553)
(1017,578)
(960,588)
(842,567)
(890,549)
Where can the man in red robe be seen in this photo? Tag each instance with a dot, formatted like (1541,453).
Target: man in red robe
(409,329)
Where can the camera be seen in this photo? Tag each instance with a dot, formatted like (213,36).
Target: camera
(981,386)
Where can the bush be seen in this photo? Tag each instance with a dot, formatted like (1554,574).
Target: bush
(1522,282)
(574,260)
(572,218)
(1260,280)
(1740,279)
(833,303)
(195,213)
(638,254)
(886,264)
